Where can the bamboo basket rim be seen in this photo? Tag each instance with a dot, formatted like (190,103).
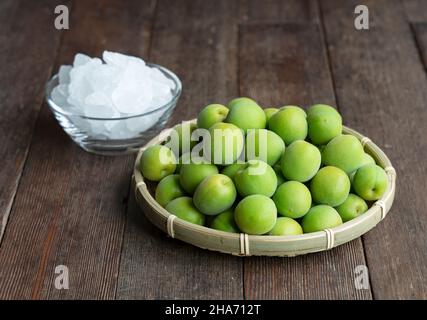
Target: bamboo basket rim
(373,215)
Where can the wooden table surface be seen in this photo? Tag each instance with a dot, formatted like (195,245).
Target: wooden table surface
(62,206)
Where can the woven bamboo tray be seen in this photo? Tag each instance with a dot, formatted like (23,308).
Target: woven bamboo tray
(246,245)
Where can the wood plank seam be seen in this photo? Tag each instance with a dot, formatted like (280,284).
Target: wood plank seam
(192,32)
(383,85)
(331,72)
(292,30)
(9,206)
(124,228)
(414,26)
(36,291)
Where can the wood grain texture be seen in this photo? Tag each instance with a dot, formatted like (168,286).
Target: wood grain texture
(279,11)
(286,64)
(25,68)
(381,86)
(70,206)
(420,31)
(416,10)
(198,41)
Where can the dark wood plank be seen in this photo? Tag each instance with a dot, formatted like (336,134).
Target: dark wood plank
(25,68)
(416,10)
(382,90)
(70,206)
(279,11)
(420,31)
(198,40)
(286,64)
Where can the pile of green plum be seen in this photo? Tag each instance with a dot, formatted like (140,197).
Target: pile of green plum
(311,177)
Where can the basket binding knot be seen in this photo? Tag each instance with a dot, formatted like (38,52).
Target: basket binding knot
(169,225)
(244,245)
(364,141)
(383,211)
(330,238)
(138,185)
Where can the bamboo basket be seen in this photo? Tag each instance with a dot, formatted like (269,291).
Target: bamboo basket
(247,245)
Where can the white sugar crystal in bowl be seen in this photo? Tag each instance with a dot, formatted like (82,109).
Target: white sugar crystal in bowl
(112,106)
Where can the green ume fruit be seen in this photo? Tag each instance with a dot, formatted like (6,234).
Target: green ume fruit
(255,214)
(157,162)
(296,109)
(279,175)
(367,159)
(265,145)
(184,158)
(370,182)
(269,113)
(345,152)
(256,178)
(319,218)
(292,199)
(286,227)
(193,173)
(214,194)
(352,207)
(225,144)
(184,209)
(324,123)
(225,222)
(290,124)
(300,161)
(211,114)
(169,189)
(241,101)
(246,114)
(330,186)
(232,169)
(183,133)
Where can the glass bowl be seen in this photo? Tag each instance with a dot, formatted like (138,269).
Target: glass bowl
(114,136)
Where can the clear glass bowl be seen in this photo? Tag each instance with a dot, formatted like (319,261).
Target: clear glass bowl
(114,136)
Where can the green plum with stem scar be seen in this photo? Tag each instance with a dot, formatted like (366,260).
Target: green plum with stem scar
(370,182)
(257,177)
(231,170)
(352,207)
(211,114)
